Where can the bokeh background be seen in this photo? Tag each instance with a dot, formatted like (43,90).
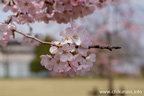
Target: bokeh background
(121,70)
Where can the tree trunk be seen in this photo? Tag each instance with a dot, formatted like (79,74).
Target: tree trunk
(110,77)
(6,68)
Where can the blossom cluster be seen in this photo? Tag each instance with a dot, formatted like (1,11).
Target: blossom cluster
(61,11)
(6,32)
(70,57)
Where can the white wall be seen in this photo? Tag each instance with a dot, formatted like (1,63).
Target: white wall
(1,70)
(16,70)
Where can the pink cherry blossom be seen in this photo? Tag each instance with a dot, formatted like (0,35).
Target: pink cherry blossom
(53,50)
(71,58)
(58,65)
(61,11)
(69,55)
(46,61)
(5,32)
(24,5)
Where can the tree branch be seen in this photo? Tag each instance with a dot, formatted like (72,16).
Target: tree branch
(110,48)
(34,38)
(105,47)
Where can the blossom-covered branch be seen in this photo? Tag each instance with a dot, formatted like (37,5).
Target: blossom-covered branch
(50,43)
(70,54)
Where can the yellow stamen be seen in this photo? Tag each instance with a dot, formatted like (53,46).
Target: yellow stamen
(64,52)
(88,59)
(87,8)
(49,59)
(67,37)
(75,36)
(26,4)
(80,47)
(75,0)
(58,61)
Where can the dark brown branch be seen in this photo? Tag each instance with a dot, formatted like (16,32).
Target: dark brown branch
(105,47)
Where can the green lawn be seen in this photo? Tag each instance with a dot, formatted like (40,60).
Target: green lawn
(63,87)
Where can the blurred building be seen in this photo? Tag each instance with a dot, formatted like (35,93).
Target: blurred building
(15,60)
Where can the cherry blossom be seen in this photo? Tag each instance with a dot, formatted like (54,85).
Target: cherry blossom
(71,56)
(46,59)
(5,32)
(61,11)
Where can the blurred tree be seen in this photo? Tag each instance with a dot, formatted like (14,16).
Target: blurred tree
(113,26)
(123,31)
(142,70)
(35,65)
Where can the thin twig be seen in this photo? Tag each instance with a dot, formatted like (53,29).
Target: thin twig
(34,38)
(50,43)
(30,28)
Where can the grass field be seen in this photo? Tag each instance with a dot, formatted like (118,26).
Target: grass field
(63,87)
